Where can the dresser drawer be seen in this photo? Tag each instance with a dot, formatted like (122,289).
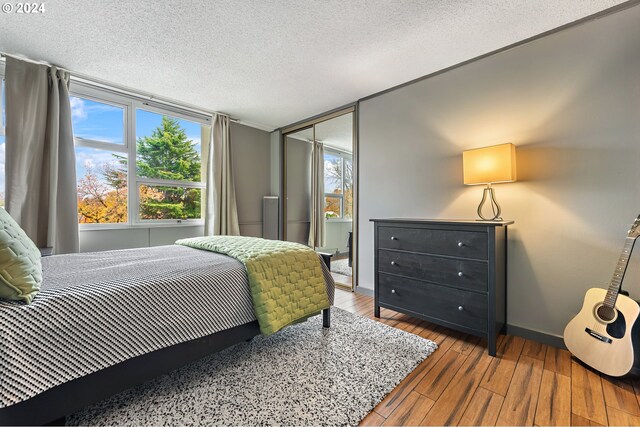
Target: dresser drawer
(463,308)
(455,272)
(467,244)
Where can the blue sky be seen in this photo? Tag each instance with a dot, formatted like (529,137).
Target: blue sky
(330,184)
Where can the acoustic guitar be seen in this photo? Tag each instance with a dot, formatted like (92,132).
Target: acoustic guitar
(601,333)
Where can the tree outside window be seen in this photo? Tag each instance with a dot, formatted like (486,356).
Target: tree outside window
(167,153)
(102,189)
(338,182)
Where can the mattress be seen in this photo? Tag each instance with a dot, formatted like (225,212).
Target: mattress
(101,308)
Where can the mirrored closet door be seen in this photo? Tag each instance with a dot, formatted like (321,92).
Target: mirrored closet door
(319,190)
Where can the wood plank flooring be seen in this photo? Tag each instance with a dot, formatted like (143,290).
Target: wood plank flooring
(527,384)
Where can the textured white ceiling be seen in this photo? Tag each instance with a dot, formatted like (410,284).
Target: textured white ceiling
(337,132)
(275,62)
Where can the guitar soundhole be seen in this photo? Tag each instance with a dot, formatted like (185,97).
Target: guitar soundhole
(605,313)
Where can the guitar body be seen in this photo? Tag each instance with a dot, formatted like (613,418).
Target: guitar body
(607,346)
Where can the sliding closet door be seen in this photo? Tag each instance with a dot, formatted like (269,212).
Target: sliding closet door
(336,134)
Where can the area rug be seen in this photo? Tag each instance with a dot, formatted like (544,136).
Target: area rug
(303,375)
(341,266)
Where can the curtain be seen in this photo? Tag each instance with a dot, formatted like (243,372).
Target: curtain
(317,229)
(41,192)
(221,214)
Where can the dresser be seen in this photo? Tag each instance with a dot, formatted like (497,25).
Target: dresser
(449,272)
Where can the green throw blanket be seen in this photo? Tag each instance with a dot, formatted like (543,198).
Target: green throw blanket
(286,279)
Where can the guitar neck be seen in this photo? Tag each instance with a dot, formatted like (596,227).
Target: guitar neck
(618,274)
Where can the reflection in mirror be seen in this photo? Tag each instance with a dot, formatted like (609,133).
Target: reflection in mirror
(335,202)
(298,185)
(337,137)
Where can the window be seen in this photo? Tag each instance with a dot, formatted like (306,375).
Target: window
(101,161)
(123,143)
(168,167)
(338,185)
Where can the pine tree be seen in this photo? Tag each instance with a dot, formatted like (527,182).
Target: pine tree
(168,154)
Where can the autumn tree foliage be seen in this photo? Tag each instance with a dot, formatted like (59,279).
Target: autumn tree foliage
(167,153)
(102,193)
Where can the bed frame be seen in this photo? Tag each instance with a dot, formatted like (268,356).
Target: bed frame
(53,405)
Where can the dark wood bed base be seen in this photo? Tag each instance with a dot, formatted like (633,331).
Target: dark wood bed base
(54,404)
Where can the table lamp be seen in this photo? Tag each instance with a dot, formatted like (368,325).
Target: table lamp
(489,165)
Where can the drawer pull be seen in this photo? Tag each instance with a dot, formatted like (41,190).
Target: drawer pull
(460,244)
(460,274)
(394,263)
(394,238)
(393,291)
(460,308)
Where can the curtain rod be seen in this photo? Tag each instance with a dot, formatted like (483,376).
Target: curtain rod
(122,90)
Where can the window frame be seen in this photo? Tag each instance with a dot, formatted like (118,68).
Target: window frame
(131,105)
(342,156)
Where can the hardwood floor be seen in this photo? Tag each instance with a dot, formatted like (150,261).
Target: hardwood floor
(527,384)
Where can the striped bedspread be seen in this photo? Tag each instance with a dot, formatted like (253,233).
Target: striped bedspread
(101,308)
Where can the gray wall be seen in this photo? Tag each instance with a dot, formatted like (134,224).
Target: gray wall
(135,237)
(570,102)
(298,190)
(276,174)
(250,151)
(276,159)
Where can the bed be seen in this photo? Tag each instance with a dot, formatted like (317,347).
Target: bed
(137,313)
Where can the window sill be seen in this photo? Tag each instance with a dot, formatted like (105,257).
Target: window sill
(328,220)
(94,227)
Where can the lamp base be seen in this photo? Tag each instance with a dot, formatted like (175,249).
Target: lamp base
(489,194)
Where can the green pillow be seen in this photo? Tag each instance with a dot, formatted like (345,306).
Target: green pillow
(20,267)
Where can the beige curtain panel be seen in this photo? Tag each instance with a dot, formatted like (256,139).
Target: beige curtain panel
(41,192)
(221,213)
(317,229)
